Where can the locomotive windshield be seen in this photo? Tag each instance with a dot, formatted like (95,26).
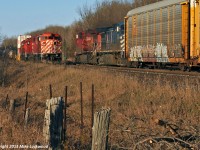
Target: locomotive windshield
(44,37)
(58,38)
(50,37)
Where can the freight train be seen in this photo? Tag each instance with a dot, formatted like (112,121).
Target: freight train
(46,46)
(165,33)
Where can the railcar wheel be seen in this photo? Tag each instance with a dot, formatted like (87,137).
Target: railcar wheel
(129,64)
(159,65)
(136,64)
(188,69)
(140,65)
(100,60)
(182,67)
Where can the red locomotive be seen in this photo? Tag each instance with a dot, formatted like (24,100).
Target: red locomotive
(88,41)
(46,46)
(100,46)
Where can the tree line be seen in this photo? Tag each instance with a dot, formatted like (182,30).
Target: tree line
(101,14)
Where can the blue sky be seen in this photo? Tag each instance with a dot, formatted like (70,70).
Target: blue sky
(21,16)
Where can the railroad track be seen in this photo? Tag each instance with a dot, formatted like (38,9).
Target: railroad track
(164,72)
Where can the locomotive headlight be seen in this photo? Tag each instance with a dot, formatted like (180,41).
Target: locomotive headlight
(118,29)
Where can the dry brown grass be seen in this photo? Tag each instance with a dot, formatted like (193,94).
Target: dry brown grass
(135,103)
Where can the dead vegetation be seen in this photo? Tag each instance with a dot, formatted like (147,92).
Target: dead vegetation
(144,116)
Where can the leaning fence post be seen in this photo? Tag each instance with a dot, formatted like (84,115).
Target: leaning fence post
(81,101)
(50,91)
(100,130)
(53,122)
(65,116)
(27,117)
(92,111)
(6,102)
(12,106)
(25,105)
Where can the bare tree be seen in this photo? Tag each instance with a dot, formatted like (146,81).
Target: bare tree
(1,37)
(138,3)
(87,16)
(104,14)
(3,62)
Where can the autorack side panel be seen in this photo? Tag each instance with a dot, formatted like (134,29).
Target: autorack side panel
(185,31)
(155,35)
(194,31)
(151,27)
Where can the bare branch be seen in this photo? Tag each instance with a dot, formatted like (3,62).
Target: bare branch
(167,139)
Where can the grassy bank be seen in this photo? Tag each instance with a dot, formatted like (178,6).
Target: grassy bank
(135,103)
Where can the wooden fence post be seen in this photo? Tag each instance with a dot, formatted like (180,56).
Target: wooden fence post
(100,130)
(26,117)
(53,122)
(65,116)
(81,108)
(6,102)
(92,111)
(50,91)
(12,106)
(25,105)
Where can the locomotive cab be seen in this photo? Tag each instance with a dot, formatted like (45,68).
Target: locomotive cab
(51,46)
